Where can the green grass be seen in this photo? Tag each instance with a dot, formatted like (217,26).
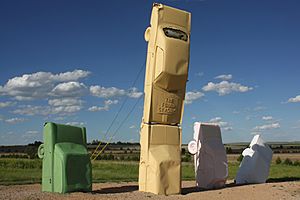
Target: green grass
(22,171)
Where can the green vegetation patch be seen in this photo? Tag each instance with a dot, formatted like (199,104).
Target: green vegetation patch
(23,171)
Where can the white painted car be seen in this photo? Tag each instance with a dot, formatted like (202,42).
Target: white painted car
(255,165)
(211,167)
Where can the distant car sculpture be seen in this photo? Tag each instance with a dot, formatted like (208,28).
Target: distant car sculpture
(255,165)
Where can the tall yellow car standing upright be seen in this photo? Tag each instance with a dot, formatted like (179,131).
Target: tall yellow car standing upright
(168,40)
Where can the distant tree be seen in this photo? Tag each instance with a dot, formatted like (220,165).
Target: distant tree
(31,151)
(228,150)
(36,143)
(297,163)
(186,158)
(240,158)
(110,157)
(135,158)
(182,151)
(287,161)
(278,160)
(104,157)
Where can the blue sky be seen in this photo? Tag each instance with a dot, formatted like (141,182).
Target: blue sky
(74,62)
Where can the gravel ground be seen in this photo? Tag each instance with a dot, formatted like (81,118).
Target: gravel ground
(282,190)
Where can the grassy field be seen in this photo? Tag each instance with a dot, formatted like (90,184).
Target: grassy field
(21,171)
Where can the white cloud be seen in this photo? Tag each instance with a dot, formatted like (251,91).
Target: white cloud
(275,125)
(224,77)
(225,87)
(6,104)
(31,135)
(106,106)
(14,120)
(76,123)
(31,110)
(294,99)
(109,92)
(192,96)
(69,89)
(267,118)
(132,126)
(60,118)
(134,93)
(38,85)
(103,92)
(65,109)
(255,133)
(224,125)
(228,128)
(70,76)
(65,102)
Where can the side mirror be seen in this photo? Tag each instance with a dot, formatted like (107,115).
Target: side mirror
(41,151)
(193,147)
(147,34)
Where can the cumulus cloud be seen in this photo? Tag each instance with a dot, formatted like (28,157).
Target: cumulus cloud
(107,104)
(109,92)
(134,93)
(65,102)
(65,109)
(76,123)
(31,110)
(224,125)
(6,104)
(31,135)
(225,87)
(224,77)
(192,96)
(132,126)
(69,89)
(14,120)
(103,92)
(294,99)
(70,76)
(38,85)
(275,125)
(267,118)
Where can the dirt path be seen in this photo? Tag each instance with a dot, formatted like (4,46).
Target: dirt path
(283,190)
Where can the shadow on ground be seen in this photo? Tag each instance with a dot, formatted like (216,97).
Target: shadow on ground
(283,179)
(114,190)
(193,189)
(186,190)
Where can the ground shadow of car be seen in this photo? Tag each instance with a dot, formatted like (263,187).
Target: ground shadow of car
(115,190)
